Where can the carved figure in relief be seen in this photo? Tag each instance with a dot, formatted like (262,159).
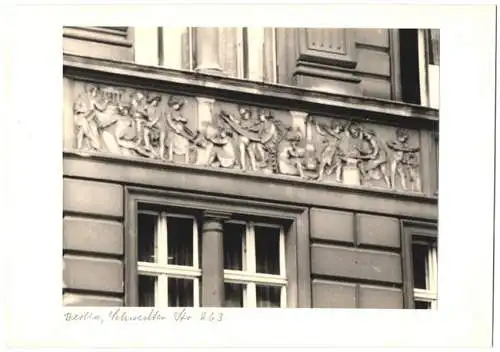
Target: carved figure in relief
(138,111)
(330,153)
(85,110)
(256,137)
(411,164)
(403,159)
(376,165)
(291,157)
(134,124)
(181,138)
(221,152)
(151,125)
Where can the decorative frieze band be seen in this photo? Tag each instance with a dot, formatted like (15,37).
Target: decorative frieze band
(203,131)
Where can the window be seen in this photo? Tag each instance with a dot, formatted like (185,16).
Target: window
(419,242)
(168,260)
(171,262)
(419,66)
(254,265)
(424,257)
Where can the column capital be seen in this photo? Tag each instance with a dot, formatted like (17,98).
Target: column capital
(216,215)
(205,100)
(299,114)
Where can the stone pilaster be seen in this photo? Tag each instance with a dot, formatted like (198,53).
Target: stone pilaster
(212,281)
(207,50)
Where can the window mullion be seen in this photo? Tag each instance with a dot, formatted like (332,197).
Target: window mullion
(283,296)
(428,271)
(196,262)
(250,248)
(196,293)
(161,293)
(162,240)
(251,294)
(423,70)
(282,252)
(433,260)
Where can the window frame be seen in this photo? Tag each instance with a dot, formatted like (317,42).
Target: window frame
(248,274)
(296,219)
(409,230)
(163,271)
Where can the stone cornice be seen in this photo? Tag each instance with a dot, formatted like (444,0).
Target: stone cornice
(238,90)
(279,188)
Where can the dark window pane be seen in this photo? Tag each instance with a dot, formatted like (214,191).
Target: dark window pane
(420,252)
(180,241)
(234,295)
(233,241)
(268,297)
(180,292)
(147,291)
(267,244)
(147,228)
(422,305)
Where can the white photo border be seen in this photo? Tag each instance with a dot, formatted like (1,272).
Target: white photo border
(32,206)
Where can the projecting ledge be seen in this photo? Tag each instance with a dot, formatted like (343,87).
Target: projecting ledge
(278,95)
(279,188)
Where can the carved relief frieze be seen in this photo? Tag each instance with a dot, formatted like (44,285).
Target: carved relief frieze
(249,139)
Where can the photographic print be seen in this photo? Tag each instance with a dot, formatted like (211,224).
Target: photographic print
(250,167)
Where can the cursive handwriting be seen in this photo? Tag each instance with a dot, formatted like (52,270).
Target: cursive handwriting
(86,316)
(126,315)
(121,315)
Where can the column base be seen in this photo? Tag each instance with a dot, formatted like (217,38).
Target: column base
(210,70)
(330,80)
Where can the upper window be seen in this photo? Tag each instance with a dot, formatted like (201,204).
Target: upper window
(419,66)
(420,265)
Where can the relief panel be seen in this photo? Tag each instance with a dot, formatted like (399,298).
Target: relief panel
(203,131)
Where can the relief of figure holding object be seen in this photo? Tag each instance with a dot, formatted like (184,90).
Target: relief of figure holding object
(376,166)
(411,164)
(138,112)
(329,155)
(221,151)
(85,110)
(181,136)
(291,157)
(254,135)
(401,150)
(153,117)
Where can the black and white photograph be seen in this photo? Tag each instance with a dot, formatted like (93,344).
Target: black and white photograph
(251,167)
(169,164)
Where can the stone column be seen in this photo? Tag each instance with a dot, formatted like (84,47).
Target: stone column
(146,46)
(172,46)
(256,53)
(212,281)
(207,50)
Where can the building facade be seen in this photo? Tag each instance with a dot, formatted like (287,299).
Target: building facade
(250,167)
